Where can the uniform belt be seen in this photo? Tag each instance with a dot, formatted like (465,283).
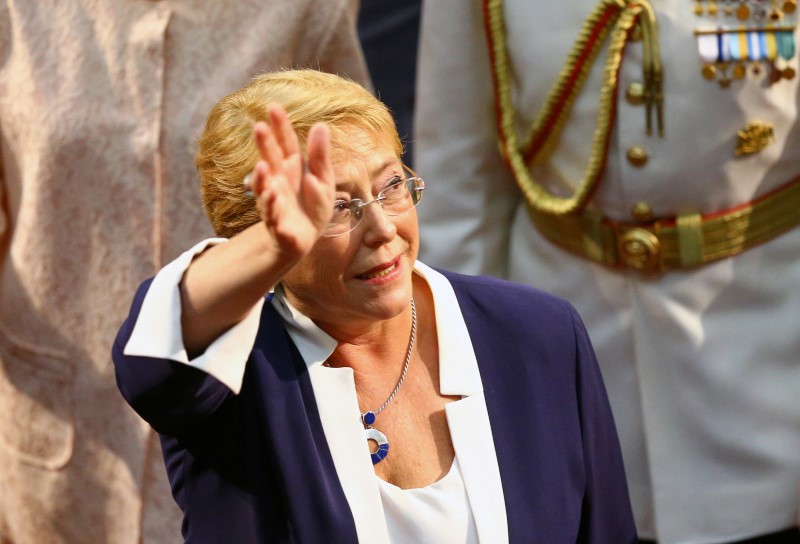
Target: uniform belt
(685,241)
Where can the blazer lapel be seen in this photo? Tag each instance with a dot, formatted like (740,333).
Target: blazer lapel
(335,395)
(335,391)
(468,418)
(472,440)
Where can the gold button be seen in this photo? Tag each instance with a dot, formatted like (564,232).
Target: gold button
(634,94)
(642,212)
(637,156)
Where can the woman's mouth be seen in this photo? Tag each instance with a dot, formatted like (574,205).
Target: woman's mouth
(381,271)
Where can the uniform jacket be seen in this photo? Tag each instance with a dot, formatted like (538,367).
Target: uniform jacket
(702,366)
(257,467)
(101,103)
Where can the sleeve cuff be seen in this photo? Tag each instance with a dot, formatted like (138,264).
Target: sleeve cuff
(157,332)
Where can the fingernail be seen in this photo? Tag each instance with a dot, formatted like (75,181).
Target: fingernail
(246,183)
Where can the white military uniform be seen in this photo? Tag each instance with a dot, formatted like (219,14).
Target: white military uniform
(702,365)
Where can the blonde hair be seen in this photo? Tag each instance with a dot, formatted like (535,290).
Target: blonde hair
(227,151)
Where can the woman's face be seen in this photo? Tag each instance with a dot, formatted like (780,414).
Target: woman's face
(364,276)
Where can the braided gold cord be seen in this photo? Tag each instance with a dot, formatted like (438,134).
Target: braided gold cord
(618,24)
(560,89)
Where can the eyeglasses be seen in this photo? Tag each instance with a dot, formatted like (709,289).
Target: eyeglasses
(396,198)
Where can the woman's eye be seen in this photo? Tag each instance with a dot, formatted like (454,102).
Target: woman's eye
(341,207)
(393,187)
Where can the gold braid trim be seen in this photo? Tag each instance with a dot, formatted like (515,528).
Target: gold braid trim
(612,17)
(561,90)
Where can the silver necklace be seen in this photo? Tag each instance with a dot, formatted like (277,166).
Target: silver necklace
(368,417)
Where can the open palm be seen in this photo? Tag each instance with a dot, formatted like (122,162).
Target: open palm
(294,197)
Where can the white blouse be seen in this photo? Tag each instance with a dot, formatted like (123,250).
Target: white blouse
(466,506)
(438,513)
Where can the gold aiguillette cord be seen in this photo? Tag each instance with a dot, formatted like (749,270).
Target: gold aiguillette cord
(610,17)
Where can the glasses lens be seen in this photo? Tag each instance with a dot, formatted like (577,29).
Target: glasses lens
(346,214)
(402,195)
(416,187)
(396,198)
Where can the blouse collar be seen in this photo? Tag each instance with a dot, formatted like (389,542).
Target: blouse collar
(458,368)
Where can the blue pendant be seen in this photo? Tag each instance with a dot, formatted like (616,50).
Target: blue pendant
(368,418)
(383,445)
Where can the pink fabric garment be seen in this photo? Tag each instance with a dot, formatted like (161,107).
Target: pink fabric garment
(101,104)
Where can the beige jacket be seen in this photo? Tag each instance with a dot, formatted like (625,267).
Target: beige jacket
(101,102)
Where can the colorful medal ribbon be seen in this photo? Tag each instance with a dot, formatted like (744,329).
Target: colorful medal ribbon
(614,18)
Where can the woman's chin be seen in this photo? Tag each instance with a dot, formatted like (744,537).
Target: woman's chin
(387,304)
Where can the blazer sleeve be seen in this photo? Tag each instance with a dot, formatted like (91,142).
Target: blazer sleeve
(606,517)
(170,395)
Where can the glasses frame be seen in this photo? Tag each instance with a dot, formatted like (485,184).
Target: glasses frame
(357,205)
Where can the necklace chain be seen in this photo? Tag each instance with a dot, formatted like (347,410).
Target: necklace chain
(405,366)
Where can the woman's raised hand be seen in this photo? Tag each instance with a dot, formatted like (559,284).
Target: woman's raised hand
(295,199)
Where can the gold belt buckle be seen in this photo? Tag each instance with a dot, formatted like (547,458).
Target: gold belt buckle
(639,248)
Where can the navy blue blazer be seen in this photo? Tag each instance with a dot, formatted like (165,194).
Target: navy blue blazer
(256,468)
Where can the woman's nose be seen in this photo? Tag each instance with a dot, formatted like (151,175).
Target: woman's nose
(377,225)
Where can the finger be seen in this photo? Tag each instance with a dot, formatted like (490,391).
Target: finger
(283,130)
(286,140)
(319,154)
(260,130)
(274,208)
(267,145)
(275,155)
(267,208)
(248,189)
(319,185)
(258,178)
